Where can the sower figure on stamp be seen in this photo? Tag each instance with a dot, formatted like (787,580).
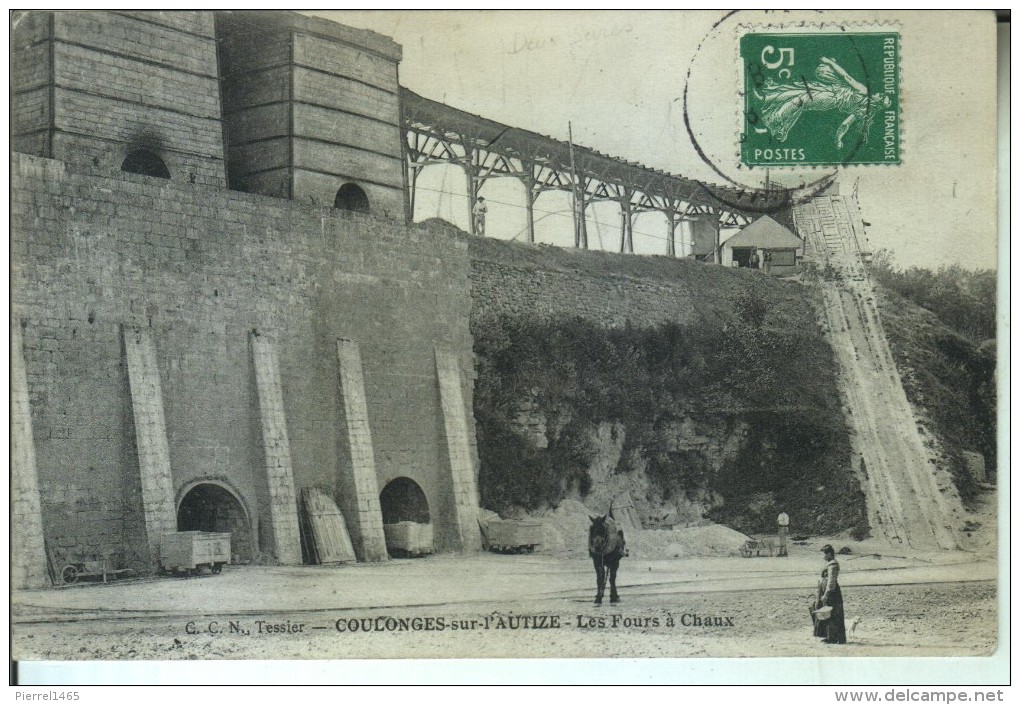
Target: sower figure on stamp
(831,88)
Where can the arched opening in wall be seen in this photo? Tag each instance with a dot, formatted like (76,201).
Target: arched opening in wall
(351,197)
(146,163)
(406,520)
(212,507)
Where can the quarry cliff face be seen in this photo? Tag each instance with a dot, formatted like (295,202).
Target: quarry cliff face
(620,473)
(694,392)
(696,451)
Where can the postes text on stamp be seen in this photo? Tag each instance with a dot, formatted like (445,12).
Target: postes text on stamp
(820,99)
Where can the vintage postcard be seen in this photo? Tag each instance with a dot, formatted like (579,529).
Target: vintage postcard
(449,335)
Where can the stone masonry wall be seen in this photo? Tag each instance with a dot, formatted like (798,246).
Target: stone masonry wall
(28,564)
(92,86)
(310,107)
(199,269)
(540,292)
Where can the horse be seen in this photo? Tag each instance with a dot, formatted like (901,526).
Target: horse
(606,547)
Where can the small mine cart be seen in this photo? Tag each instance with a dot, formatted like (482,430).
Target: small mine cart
(408,538)
(190,550)
(509,536)
(757,547)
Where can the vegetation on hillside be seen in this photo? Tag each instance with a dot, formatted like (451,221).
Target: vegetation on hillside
(941,327)
(762,366)
(962,299)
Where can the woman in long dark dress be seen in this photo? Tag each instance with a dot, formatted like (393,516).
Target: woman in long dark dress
(832,629)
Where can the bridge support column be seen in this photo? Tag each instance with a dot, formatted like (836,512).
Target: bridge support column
(716,225)
(674,221)
(530,196)
(626,222)
(581,237)
(530,204)
(473,185)
(412,182)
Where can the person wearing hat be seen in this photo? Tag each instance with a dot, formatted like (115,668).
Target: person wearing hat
(832,628)
(479,211)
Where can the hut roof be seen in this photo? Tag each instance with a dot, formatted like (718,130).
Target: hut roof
(765,233)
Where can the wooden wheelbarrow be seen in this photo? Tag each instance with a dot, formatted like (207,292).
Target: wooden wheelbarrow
(73,572)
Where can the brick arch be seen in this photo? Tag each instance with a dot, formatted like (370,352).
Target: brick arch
(403,499)
(351,197)
(145,161)
(214,505)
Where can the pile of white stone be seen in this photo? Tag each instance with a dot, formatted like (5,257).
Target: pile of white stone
(565,532)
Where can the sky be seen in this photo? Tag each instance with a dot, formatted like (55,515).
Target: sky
(618,79)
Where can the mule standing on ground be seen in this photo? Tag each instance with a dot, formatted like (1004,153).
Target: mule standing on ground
(606,548)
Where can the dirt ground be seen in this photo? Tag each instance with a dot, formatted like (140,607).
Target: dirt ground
(446,606)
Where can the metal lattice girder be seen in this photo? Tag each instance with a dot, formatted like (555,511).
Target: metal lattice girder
(647,202)
(426,148)
(493,164)
(734,220)
(457,130)
(553,180)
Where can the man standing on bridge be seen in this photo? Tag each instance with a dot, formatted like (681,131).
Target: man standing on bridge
(479,211)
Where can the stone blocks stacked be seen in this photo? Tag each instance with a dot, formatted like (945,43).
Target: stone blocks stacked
(548,293)
(361,500)
(311,105)
(279,475)
(28,554)
(150,439)
(90,87)
(458,435)
(139,295)
(198,269)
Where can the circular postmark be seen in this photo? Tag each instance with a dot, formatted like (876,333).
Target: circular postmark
(774,95)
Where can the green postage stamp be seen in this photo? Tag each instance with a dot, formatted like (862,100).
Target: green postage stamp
(820,99)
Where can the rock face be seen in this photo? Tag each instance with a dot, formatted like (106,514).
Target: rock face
(531,423)
(619,471)
(687,392)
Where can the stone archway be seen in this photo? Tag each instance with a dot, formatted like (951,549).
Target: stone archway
(402,499)
(407,523)
(145,162)
(351,197)
(211,506)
